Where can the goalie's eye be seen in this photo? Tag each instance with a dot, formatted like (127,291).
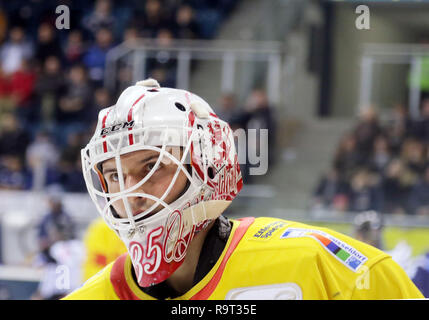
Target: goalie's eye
(149,166)
(113,177)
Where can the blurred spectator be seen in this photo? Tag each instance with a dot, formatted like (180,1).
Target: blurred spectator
(153,19)
(185,26)
(95,57)
(380,155)
(7,104)
(56,225)
(101,17)
(74,47)
(228,110)
(164,37)
(397,183)
(71,176)
(71,151)
(398,128)
(164,77)
(3,24)
(347,157)
(257,115)
(13,138)
(366,130)
(74,109)
(22,84)
(70,167)
(163,65)
(102,99)
(47,43)
(42,158)
(15,50)
(13,175)
(125,77)
(413,154)
(22,92)
(208,17)
(419,196)
(131,36)
(48,89)
(365,192)
(331,192)
(258,112)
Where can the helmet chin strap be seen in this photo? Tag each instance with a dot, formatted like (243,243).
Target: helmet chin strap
(205,210)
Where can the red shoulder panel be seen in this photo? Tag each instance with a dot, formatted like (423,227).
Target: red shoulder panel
(205,292)
(119,281)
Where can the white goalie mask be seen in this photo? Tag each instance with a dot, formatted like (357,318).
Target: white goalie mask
(180,132)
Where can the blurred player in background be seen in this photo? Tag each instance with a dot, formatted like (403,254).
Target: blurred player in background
(161,169)
(55,226)
(60,252)
(369,228)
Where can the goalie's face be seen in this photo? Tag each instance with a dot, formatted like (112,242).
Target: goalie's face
(135,166)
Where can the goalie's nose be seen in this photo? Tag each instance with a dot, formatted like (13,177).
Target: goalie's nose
(131,180)
(137,203)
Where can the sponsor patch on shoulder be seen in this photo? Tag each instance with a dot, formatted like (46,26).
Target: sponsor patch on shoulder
(343,252)
(267,231)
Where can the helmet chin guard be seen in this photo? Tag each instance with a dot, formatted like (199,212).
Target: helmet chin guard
(184,133)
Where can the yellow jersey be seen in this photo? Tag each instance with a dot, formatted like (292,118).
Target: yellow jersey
(102,245)
(269,258)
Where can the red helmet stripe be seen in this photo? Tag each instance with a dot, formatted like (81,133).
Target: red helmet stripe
(103,126)
(130,117)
